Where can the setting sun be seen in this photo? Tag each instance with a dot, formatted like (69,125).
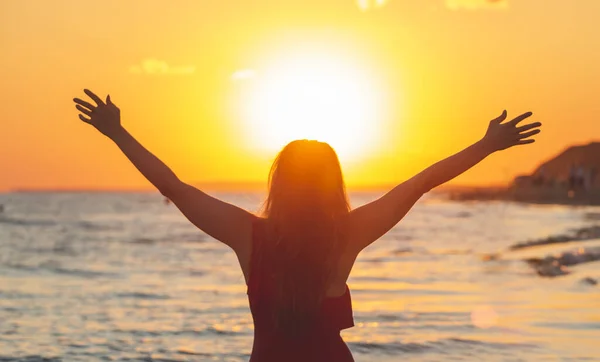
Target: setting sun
(313,96)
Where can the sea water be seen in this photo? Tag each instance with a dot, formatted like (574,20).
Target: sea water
(125,277)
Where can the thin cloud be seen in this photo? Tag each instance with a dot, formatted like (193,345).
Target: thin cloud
(477,4)
(154,66)
(366,5)
(243,74)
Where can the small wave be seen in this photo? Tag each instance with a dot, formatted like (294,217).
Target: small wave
(138,295)
(81,273)
(377,259)
(439,345)
(140,333)
(17,295)
(64,249)
(402,251)
(421,251)
(409,291)
(148,358)
(491,257)
(193,353)
(195,237)
(9,310)
(143,241)
(421,320)
(197,273)
(589,281)
(392,317)
(209,331)
(556,265)
(31,358)
(463,215)
(451,252)
(91,226)
(368,278)
(22,267)
(25,222)
(184,237)
(77,345)
(495,345)
(399,235)
(388,348)
(59,248)
(438,316)
(220,332)
(569,326)
(582,234)
(592,216)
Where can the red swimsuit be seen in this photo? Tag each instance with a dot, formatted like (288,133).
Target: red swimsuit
(323,343)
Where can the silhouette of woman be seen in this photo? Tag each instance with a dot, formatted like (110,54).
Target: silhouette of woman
(297,255)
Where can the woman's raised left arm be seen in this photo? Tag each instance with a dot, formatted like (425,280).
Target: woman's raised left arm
(223,221)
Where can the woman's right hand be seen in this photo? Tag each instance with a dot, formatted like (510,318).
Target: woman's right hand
(500,136)
(105,117)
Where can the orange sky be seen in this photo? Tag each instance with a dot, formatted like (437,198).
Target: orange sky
(446,67)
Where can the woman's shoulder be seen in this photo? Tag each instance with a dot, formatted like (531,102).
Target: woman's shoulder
(258,226)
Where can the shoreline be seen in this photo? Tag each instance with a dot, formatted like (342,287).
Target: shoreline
(573,247)
(529,195)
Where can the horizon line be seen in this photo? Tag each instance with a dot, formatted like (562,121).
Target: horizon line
(231,186)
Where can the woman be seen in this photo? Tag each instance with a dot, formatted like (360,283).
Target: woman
(296,256)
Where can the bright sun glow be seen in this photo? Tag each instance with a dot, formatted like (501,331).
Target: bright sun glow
(365,5)
(310,97)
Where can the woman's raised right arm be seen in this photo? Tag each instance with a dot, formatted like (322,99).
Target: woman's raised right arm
(371,221)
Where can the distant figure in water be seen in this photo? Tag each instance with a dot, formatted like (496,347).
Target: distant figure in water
(296,255)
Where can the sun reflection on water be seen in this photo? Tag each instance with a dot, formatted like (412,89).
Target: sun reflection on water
(484,317)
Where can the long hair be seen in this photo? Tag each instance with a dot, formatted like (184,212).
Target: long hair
(305,203)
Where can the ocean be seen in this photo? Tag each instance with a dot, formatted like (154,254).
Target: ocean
(124,277)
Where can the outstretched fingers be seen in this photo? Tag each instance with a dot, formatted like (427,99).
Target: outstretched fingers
(84,110)
(524,133)
(94,97)
(525,142)
(82,103)
(500,118)
(501,136)
(520,118)
(84,107)
(527,127)
(528,134)
(85,119)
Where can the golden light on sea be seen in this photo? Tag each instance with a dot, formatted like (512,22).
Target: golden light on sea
(484,317)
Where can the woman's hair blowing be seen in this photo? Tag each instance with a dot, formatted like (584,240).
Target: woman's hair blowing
(306,201)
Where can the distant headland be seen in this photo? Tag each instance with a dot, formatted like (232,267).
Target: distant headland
(572,178)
